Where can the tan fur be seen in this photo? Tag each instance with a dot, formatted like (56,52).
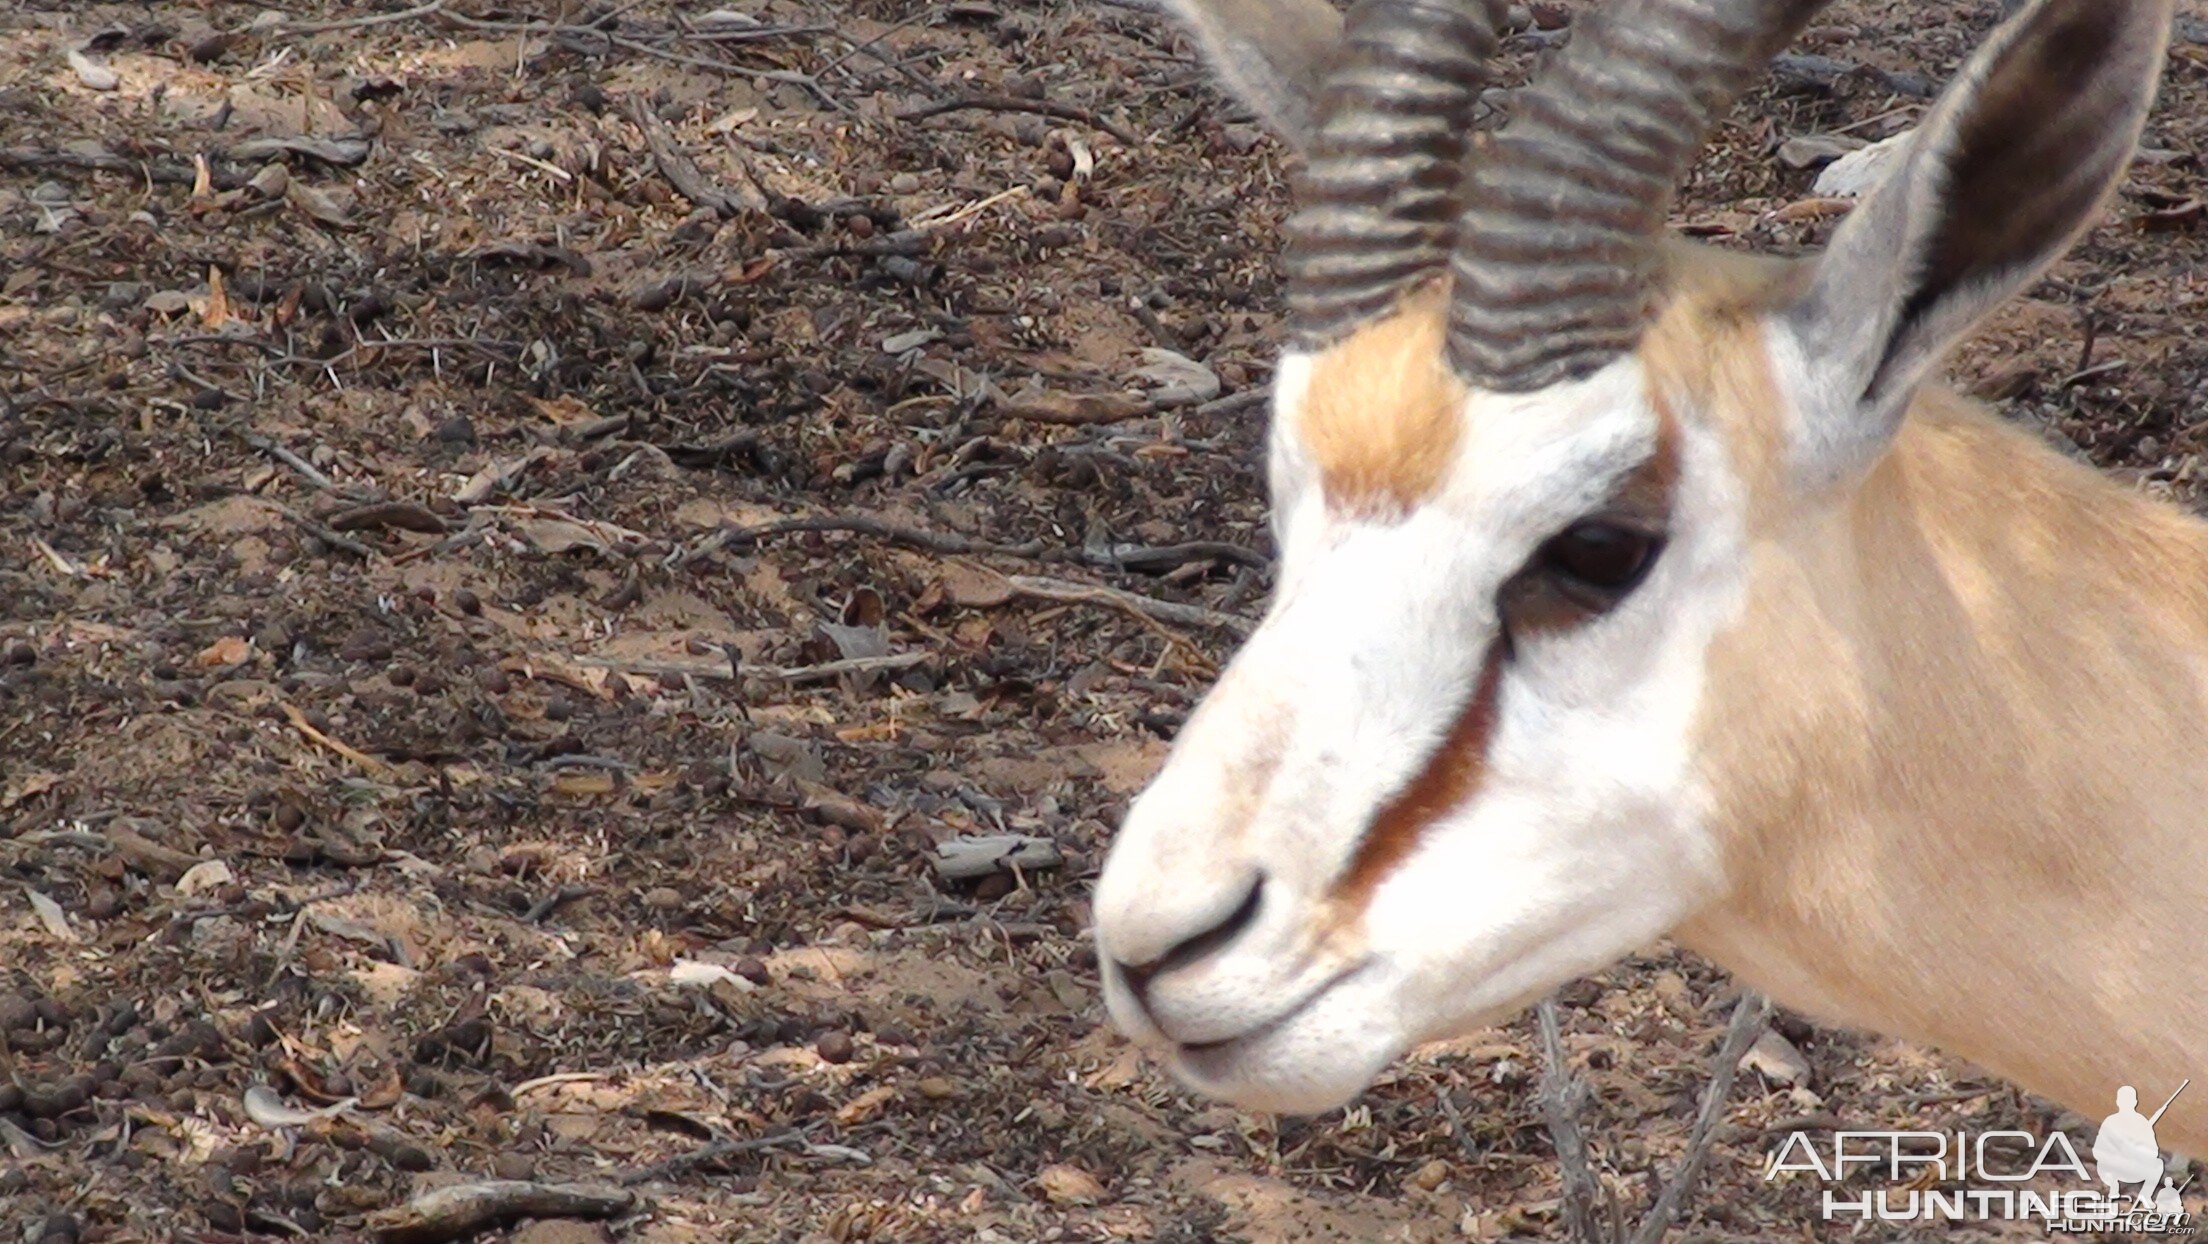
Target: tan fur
(1383,415)
(1958,744)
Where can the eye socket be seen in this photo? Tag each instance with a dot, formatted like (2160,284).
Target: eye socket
(1597,562)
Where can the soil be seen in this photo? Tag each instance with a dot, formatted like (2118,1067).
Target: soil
(423,535)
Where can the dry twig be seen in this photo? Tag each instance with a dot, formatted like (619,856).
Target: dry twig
(1562,1096)
(1013,103)
(460,1210)
(687,179)
(1748,1022)
(350,23)
(367,763)
(1146,607)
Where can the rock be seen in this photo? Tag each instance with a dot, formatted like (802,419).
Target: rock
(17,1011)
(366,644)
(93,74)
(1176,379)
(1813,150)
(1776,1059)
(835,1046)
(1856,173)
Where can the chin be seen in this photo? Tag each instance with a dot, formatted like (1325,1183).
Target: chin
(1308,1062)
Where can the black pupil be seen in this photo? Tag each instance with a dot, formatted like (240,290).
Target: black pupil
(1601,555)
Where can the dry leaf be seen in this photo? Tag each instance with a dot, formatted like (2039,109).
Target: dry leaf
(266,1107)
(204,876)
(318,205)
(974,587)
(559,535)
(223,653)
(564,411)
(583,783)
(29,786)
(698,973)
(1813,209)
(1062,1184)
(50,915)
(865,1106)
(216,311)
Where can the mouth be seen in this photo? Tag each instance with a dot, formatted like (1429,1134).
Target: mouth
(1313,1056)
(1198,1053)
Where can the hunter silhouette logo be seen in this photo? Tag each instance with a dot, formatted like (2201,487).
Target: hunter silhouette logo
(2125,1151)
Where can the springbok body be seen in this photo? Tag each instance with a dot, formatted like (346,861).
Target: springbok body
(1631,589)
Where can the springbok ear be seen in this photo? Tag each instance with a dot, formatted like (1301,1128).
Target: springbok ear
(1272,55)
(2013,162)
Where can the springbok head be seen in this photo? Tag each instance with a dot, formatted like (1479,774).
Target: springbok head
(1526,459)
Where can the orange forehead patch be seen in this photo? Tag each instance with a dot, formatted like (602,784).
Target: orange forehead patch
(1384,413)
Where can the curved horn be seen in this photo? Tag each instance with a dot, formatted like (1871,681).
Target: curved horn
(1555,265)
(1378,198)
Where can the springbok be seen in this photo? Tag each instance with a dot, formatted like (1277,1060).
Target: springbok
(1630,589)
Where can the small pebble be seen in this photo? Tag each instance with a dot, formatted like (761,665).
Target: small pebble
(835,1046)
(17,1011)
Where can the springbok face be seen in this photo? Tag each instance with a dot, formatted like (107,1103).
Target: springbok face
(1521,460)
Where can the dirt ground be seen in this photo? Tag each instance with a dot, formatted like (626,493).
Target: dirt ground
(422,525)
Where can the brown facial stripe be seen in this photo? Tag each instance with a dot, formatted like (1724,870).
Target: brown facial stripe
(1451,776)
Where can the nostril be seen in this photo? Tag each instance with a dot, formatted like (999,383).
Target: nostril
(1196,946)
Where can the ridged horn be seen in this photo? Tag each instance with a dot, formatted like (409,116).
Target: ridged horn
(1379,193)
(1555,264)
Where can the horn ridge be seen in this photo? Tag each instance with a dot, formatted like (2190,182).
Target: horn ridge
(1378,197)
(1554,261)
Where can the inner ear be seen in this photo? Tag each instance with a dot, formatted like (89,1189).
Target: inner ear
(2012,173)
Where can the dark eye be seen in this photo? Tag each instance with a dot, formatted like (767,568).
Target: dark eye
(1597,562)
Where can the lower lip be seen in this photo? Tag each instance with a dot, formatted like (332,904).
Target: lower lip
(1209,1059)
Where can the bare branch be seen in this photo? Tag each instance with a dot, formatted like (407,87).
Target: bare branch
(1749,1019)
